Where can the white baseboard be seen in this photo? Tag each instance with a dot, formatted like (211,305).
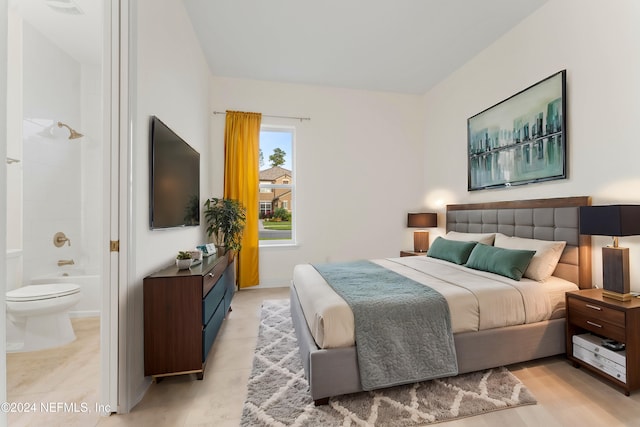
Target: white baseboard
(274,283)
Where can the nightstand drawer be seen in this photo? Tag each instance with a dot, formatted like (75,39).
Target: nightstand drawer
(597,312)
(598,326)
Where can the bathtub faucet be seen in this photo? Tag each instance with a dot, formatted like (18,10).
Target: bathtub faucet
(65,262)
(59,239)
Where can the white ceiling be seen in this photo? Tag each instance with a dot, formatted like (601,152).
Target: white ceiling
(404,46)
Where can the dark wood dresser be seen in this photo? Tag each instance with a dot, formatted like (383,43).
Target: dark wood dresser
(183,312)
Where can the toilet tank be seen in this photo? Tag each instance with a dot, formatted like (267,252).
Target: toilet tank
(14,268)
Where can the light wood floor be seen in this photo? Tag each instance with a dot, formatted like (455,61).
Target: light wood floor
(566,396)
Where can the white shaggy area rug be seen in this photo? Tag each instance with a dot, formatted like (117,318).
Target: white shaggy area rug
(278,391)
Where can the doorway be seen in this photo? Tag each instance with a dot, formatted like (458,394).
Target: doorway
(59,167)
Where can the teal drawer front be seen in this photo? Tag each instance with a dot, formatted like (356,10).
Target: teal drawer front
(227,299)
(211,301)
(211,330)
(228,279)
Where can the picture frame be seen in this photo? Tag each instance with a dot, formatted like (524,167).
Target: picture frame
(520,140)
(207,249)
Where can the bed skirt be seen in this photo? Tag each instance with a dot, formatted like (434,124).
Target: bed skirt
(334,372)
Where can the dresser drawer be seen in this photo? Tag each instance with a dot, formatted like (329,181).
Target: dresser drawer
(593,310)
(211,301)
(598,326)
(210,279)
(211,330)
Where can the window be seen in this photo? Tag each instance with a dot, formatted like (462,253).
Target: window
(277,179)
(265,209)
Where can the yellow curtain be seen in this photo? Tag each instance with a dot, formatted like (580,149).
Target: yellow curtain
(241,179)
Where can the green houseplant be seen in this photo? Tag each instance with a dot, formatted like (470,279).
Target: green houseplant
(183,260)
(225,222)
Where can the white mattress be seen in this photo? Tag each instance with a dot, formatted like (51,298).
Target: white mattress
(477,300)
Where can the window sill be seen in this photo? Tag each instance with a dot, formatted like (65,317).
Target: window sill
(279,245)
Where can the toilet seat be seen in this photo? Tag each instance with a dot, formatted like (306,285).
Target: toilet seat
(42,292)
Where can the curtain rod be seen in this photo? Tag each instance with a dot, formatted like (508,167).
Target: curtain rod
(268,115)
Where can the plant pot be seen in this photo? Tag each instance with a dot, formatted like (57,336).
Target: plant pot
(183,264)
(221,250)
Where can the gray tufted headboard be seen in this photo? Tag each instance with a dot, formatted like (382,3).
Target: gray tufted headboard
(544,219)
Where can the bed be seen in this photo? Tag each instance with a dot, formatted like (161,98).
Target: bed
(333,370)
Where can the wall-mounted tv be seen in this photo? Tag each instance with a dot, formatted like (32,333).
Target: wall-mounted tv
(174,179)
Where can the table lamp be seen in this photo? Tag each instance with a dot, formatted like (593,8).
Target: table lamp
(421,237)
(614,221)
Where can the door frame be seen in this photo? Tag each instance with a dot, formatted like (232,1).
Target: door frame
(4,10)
(109,315)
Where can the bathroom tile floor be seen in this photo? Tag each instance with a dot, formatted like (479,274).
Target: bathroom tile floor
(39,381)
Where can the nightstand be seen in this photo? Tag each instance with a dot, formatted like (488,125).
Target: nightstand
(412,253)
(589,312)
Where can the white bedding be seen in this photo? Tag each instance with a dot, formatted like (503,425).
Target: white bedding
(477,300)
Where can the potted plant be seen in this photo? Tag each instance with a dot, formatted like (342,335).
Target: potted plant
(225,223)
(183,260)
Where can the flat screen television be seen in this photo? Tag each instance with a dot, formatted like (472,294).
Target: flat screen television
(174,179)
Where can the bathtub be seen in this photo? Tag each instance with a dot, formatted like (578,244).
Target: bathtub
(90,288)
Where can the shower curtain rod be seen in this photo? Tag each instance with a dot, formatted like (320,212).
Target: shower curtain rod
(268,115)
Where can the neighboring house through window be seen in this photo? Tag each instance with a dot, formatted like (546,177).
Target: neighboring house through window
(277,216)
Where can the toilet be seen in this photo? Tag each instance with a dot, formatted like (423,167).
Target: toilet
(38,315)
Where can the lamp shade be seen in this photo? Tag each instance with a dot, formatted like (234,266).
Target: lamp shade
(422,220)
(612,220)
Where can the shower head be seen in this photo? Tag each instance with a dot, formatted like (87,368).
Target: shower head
(72,133)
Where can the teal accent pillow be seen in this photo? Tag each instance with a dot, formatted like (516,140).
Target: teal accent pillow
(451,250)
(510,263)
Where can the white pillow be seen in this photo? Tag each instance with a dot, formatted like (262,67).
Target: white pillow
(544,261)
(486,238)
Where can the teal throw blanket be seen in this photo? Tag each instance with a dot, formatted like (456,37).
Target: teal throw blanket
(402,328)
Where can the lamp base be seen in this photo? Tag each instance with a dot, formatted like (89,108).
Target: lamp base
(420,241)
(615,273)
(616,295)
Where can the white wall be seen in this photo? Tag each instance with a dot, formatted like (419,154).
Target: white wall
(358,168)
(55,186)
(170,79)
(51,164)
(597,43)
(92,167)
(14,130)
